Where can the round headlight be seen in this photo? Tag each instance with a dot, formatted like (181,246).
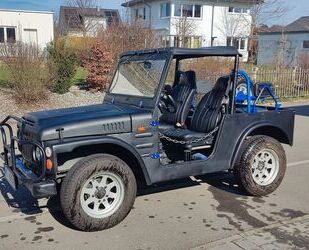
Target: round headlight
(48,152)
(37,154)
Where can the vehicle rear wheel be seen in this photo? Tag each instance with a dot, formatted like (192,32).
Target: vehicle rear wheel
(98,192)
(262,165)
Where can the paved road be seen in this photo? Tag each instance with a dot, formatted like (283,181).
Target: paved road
(191,213)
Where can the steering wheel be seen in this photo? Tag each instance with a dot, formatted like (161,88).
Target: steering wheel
(167,103)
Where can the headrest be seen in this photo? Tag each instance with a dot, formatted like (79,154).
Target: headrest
(188,78)
(222,83)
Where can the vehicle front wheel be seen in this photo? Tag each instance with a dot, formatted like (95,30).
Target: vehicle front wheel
(98,192)
(262,165)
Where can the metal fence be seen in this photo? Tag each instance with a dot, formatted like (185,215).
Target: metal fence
(293,82)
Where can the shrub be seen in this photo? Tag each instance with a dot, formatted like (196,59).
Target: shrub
(99,65)
(27,71)
(3,75)
(64,61)
(102,57)
(80,46)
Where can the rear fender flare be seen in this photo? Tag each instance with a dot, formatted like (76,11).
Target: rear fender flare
(250,130)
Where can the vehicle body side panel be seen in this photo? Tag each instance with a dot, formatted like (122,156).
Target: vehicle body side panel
(232,132)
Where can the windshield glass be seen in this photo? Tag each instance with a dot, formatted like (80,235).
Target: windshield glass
(138,75)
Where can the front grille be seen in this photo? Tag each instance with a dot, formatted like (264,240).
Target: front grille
(26,151)
(27,154)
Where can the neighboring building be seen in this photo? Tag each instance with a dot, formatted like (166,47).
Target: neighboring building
(287,45)
(35,27)
(76,21)
(207,22)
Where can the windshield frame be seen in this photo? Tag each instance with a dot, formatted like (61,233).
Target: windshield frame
(141,101)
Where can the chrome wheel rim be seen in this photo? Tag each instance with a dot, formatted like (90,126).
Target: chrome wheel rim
(265,167)
(102,194)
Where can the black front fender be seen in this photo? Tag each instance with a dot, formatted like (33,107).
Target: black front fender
(67,146)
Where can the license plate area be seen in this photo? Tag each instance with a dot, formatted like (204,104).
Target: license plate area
(10,177)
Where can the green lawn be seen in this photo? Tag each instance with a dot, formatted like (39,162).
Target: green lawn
(80,76)
(3,76)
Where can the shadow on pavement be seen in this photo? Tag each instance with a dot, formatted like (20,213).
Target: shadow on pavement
(20,200)
(167,186)
(223,181)
(54,203)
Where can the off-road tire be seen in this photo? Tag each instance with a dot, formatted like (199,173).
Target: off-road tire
(242,170)
(74,181)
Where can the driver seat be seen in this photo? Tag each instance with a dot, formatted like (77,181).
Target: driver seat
(206,117)
(183,93)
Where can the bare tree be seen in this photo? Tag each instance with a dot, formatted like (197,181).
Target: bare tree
(286,54)
(233,25)
(261,12)
(83,17)
(268,10)
(185,29)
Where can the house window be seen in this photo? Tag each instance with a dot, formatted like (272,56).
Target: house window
(237,42)
(136,14)
(7,35)
(165,41)
(165,10)
(140,13)
(177,42)
(238,10)
(197,11)
(177,10)
(242,43)
(197,42)
(306,44)
(187,10)
(188,41)
(1,35)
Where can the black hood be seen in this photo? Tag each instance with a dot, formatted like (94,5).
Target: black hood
(81,121)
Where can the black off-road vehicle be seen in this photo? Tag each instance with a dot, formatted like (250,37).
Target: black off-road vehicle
(146,131)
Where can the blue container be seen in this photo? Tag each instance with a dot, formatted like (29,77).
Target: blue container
(199,156)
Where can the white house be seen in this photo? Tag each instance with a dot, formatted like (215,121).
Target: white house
(220,22)
(35,27)
(79,22)
(289,46)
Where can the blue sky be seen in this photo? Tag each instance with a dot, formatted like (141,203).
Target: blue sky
(297,8)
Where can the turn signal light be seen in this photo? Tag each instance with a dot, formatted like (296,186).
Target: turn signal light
(141,129)
(49,164)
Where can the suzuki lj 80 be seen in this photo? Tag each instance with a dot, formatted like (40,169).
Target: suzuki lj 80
(146,131)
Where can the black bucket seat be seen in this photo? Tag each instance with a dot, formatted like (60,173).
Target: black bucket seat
(207,115)
(183,93)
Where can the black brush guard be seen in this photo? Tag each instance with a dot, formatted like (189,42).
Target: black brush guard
(14,164)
